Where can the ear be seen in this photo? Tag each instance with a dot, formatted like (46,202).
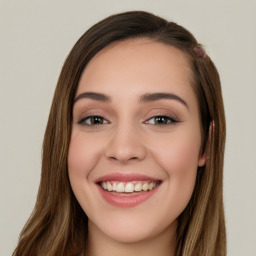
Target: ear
(202,160)
(205,155)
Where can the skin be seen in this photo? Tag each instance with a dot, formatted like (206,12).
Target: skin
(130,141)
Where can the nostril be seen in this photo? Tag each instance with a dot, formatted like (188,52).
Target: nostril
(124,159)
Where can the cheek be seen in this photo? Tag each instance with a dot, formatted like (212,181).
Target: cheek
(178,157)
(178,153)
(82,155)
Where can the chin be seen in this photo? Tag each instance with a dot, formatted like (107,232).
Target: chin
(132,228)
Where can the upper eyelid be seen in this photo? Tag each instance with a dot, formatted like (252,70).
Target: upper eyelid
(84,113)
(161,112)
(167,116)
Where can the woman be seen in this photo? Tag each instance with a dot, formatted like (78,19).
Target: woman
(133,149)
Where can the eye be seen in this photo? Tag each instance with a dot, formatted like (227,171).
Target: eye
(161,120)
(93,120)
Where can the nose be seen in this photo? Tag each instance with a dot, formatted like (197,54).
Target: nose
(125,145)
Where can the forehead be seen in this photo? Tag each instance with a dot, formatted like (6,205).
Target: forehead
(139,65)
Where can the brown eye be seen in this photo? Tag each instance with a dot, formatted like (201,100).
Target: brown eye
(93,120)
(161,120)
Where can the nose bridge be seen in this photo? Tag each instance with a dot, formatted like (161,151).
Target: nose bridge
(125,143)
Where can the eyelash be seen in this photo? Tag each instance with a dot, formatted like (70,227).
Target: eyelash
(169,120)
(100,118)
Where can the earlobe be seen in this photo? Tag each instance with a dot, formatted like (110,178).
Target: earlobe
(202,160)
(205,155)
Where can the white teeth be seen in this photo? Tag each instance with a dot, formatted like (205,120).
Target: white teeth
(138,187)
(128,187)
(109,186)
(145,187)
(120,187)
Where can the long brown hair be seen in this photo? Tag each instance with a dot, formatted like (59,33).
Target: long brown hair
(58,225)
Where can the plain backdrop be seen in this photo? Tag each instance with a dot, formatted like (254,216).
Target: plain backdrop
(35,38)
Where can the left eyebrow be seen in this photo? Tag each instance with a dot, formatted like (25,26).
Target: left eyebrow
(149,97)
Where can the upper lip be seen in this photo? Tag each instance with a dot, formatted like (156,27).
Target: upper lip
(125,177)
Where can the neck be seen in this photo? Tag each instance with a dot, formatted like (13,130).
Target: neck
(100,244)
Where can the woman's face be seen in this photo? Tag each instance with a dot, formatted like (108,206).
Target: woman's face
(135,143)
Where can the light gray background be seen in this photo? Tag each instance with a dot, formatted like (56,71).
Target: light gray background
(35,38)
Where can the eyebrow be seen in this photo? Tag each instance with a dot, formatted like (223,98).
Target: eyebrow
(148,97)
(93,96)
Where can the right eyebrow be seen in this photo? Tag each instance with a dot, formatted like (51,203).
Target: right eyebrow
(93,96)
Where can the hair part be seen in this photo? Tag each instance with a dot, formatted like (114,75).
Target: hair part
(58,225)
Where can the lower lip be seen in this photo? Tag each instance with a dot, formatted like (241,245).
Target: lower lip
(126,200)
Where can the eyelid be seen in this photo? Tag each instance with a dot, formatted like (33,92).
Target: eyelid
(161,112)
(87,111)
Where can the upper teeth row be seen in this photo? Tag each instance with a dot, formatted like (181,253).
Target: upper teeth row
(128,186)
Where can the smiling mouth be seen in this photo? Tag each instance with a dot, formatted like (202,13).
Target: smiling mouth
(129,187)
